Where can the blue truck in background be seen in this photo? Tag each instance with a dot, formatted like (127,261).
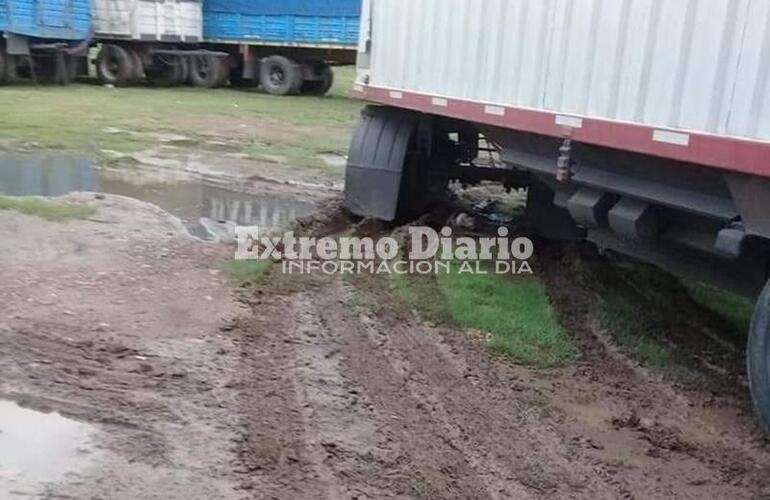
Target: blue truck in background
(284,46)
(44,39)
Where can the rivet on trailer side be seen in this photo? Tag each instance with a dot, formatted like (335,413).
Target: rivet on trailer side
(155,40)
(44,40)
(640,126)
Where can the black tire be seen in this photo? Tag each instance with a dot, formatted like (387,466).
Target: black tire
(387,178)
(223,63)
(758,357)
(205,71)
(280,75)
(3,66)
(138,74)
(168,71)
(183,74)
(115,66)
(55,69)
(321,86)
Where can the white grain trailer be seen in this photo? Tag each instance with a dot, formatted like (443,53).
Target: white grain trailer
(640,125)
(157,40)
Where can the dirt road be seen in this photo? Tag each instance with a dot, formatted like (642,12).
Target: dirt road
(319,387)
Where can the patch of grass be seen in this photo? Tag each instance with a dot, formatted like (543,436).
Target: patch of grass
(247,272)
(633,302)
(515,311)
(128,120)
(421,292)
(633,328)
(46,209)
(360,303)
(735,310)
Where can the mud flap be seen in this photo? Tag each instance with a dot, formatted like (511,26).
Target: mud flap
(375,168)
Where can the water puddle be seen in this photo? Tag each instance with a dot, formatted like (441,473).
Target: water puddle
(39,448)
(204,209)
(334,160)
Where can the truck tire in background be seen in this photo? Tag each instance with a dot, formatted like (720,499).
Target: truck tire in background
(116,65)
(206,71)
(3,65)
(279,75)
(138,73)
(758,356)
(55,68)
(323,84)
(7,67)
(223,63)
(168,71)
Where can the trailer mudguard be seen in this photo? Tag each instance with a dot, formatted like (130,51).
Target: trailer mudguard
(375,168)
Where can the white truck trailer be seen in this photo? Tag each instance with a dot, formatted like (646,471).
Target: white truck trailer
(640,125)
(156,40)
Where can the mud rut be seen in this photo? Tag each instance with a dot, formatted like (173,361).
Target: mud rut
(300,392)
(346,403)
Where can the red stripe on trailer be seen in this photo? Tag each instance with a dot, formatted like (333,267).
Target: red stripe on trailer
(729,153)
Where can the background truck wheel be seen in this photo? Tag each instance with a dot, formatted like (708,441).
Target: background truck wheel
(55,69)
(205,71)
(3,66)
(138,74)
(322,86)
(223,64)
(279,75)
(758,356)
(168,71)
(115,65)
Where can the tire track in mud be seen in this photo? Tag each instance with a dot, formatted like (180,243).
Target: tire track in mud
(507,440)
(311,432)
(384,405)
(497,483)
(355,428)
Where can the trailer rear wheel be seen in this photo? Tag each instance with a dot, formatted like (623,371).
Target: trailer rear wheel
(321,86)
(280,75)
(758,356)
(386,177)
(205,71)
(115,65)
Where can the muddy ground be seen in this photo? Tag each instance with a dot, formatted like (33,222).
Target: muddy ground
(322,387)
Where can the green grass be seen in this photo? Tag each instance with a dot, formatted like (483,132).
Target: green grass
(46,209)
(735,310)
(247,272)
(78,118)
(422,293)
(633,305)
(515,311)
(635,330)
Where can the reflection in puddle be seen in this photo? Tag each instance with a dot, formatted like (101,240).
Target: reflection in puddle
(39,448)
(202,208)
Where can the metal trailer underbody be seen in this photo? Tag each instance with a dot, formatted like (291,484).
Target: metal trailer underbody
(686,218)
(640,125)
